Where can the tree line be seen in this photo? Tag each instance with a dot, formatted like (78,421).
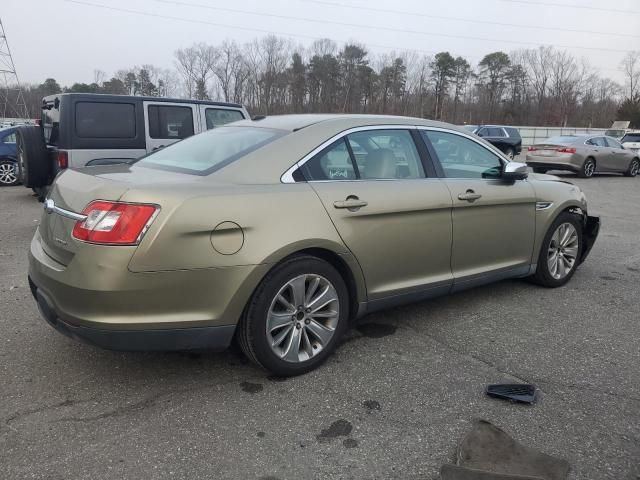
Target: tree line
(272,75)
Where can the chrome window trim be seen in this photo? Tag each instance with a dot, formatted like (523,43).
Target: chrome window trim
(287,177)
(50,207)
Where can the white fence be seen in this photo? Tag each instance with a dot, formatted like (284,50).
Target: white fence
(532,135)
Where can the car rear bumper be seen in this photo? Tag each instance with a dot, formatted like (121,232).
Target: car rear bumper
(107,305)
(195,338)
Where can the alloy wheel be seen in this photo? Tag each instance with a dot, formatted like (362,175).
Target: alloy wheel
(562,253)
(8,173)
(302,318)
(589,168)
(635,168)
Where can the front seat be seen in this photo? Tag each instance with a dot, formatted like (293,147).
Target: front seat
(380,163)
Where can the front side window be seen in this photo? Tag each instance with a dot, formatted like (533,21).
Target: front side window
(367,155)
(216,117)
(461,157)
(105,120)
(495,132)
(170,122)
(210,151)
(613,143)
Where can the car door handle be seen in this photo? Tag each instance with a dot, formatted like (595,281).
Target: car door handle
(350,203)
(469,196)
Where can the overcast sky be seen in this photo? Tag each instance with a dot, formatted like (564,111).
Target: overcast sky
(67,40)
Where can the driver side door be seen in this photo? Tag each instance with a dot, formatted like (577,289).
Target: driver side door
(493,220)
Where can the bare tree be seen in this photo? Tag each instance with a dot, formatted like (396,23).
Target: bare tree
(631,66)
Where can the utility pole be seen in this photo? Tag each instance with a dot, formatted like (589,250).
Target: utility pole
(12,102)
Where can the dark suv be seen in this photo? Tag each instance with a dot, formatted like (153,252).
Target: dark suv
(506,139)
(82,129)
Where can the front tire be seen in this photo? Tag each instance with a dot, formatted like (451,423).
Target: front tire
(588,168)
(295,317)
(560,251)
(634,168)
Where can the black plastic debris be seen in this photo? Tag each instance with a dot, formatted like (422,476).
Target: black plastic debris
(516,392)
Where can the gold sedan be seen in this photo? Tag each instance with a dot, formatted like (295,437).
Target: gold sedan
(281,231)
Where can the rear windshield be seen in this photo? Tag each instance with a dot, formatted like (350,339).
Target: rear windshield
(210,151)
(561,140)
(631,137)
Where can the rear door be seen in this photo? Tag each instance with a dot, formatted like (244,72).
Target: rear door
(212,116)
(599,149)
(394,218)
(493,220)
(167,123)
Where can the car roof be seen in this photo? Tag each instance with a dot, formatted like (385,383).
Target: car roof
(297,122)
(105,96)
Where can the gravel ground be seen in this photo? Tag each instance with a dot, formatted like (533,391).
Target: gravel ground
(393,401)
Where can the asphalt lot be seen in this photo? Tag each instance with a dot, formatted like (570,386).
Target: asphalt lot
(393,402)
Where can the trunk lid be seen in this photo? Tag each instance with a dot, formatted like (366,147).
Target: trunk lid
(73,190)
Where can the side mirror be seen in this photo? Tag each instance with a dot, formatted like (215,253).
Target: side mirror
(515,171)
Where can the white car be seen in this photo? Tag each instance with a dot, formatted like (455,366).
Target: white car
(631,141)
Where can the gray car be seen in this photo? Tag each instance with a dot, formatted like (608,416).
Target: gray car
(583,154)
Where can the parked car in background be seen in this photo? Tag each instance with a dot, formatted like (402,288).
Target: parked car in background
(81,129)
(257,231)
(583,154)
(506,139)
(631,141)
(8,158)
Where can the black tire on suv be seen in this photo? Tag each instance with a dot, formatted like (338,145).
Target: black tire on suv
(34,168)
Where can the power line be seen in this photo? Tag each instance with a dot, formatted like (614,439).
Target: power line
(460,19)
(251,29)
(582,7)
(374,27)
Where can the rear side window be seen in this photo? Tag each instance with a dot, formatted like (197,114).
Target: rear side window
(598,142)
(216,117)
(210,151)
(105,120)
(367,155)
(170,122)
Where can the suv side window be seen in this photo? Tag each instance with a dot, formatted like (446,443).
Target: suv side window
(216,117)
(461,157)
(105,120)
(170,122)
(513,132)
(495,132)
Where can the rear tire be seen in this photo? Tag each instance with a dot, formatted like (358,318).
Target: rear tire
(539,170)
(34,168)
(588,168)
(634,168)
(560,251)
(277,330)
(8,173)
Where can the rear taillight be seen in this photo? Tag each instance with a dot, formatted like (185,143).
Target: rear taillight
(531,149)
(63,159)
(114,223)
(566,150)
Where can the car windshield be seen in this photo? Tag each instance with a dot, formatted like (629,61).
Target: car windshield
(210,151)
(631,137)
(565,139)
